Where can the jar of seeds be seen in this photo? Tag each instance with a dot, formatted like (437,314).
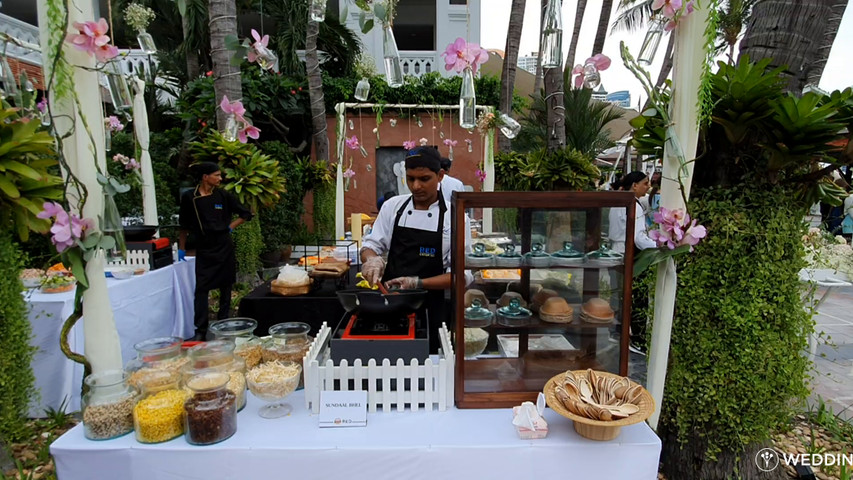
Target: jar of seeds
(218,356)
(211,411)
(241,331)
(108,405)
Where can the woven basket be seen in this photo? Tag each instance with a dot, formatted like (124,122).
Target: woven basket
(597,429)
(556,318)
(278,288)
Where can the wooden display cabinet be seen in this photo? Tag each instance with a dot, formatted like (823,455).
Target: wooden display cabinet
(519,360)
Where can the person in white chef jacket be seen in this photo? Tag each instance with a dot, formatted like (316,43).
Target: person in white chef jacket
(449,184)
(414,232)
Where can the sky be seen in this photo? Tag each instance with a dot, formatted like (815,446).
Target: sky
(495,18)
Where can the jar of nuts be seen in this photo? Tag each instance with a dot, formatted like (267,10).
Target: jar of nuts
(241,331)
(108,405)
(211,410)
(218,356)
(159,414)
(155,354)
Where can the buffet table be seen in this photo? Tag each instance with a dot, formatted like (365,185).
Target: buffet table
(462,444)
(155,304)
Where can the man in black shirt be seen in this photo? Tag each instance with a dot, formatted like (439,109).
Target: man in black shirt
(208,212)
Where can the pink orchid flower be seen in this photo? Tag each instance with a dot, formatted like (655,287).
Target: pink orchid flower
(349,173)
(66,229)
(132,164)
(42,105)
(260,42)
(461,54)
(248,131)
(690,7)
(481,175)
(450,143)
(236,107)
(578,71)
(601,61)
(50,210)
(670,26)
(114,124)
(668,7)
(693,234)
(91,37)
(409,144)
(352,143)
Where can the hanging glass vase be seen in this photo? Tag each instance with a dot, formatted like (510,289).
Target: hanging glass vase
(119,93)
(509,127)
(231,128)
(651,42)
(552,35)
(362,90)
(267,59)
(108,140)
(112,227)
(146,42)
(393,70)
(467,100)
(317,10)
(591,77)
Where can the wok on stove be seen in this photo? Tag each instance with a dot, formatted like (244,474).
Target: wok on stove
(373,302)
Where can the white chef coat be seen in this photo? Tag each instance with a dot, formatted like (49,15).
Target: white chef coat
(379,240)
(449,185)
(619,223)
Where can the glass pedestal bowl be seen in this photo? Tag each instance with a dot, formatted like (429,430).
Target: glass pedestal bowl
(272,382)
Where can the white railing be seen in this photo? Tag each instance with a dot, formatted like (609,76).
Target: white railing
(22,31)
(417,63)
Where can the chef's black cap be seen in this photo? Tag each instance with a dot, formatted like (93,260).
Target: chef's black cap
(446,164)
(204,168)
(426,157)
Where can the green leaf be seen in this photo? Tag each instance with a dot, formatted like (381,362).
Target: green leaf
(232,42)
(380,11)
(107,242)
(8,187)
(368,25)
(651,112)
(21,169)
(75,258)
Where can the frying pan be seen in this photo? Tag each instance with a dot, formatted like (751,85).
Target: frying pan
(371,302)
(139,233)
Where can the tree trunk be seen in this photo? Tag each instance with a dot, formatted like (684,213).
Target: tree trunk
(513,38)
(315,93)
(537,81)
(815,68)
(555,108)
(191,53)
(791,33)
(603,23)
(667,61)
(223,22)
(573,45)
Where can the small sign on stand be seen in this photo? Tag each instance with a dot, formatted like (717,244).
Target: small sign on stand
(343,409)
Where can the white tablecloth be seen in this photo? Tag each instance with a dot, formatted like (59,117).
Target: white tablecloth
(158,303)
(463,444)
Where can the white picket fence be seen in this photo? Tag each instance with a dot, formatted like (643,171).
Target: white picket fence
(134,258)
(428,385)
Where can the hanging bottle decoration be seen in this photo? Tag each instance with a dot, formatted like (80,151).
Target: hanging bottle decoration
(393,70)
(393,122)
(267,59)
(652,41)
(317,10)
(231,128)
(108,139)
(146,43)
(591,76)
(470,145)
(552,35)
(351,125)
(362,90)
(112,227)
(467,100)
(509,127)
(119,93)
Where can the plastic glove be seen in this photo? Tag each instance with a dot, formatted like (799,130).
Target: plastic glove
(373,269)
(406,283)
(182,255)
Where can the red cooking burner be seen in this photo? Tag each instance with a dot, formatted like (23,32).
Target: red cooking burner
(376,335)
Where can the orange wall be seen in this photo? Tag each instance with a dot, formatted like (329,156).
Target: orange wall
(34,73)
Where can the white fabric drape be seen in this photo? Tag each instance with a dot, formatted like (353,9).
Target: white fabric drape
(489,170)
(140,127)
(340,222)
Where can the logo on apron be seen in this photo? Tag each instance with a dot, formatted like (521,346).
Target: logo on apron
(217,206)
(427,252)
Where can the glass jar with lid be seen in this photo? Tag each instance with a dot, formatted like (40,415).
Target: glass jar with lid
(604,256)
(241,331)
(509,258)
(567,256)
(155,354)
(159,414)
(218,356)
(514,315)
(210,413)
(108,405)
(537,256)
(478,315)
(289,342)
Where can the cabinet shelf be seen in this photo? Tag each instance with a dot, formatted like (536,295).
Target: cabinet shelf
(581,266)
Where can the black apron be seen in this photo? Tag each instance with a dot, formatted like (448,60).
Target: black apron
(216,261)
(416,252)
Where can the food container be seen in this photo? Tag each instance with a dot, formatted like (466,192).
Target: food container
(476,340)
(597,310)
(513,315)
(58,283)
(509,296)
(211,410)
(478,315)
(121,273)
(289,342)
(472,294)
(556,310)
(155,354)
(272,382)
(540,297)
(479,257)
(31,277)
(218,356)
(510,258)
(605,257)
(568,256)
(537,257)
(108,405)
(241,331)
(159,415)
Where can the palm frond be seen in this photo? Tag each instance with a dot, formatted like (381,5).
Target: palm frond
(632,15)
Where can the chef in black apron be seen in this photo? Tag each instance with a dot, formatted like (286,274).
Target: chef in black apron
(414,230)
(208,213)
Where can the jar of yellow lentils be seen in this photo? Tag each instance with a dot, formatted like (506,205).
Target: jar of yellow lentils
(218,356)
(159,415)
(241,331)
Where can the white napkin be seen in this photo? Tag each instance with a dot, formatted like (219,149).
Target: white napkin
(529,416)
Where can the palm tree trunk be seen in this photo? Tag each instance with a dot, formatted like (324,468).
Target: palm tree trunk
(603,22)
(816,67)
(513,39)
(223,22)
(555,108)
(315,93)
(667,61)
(191,53)
(537,81)
(791,33)
(573,45)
